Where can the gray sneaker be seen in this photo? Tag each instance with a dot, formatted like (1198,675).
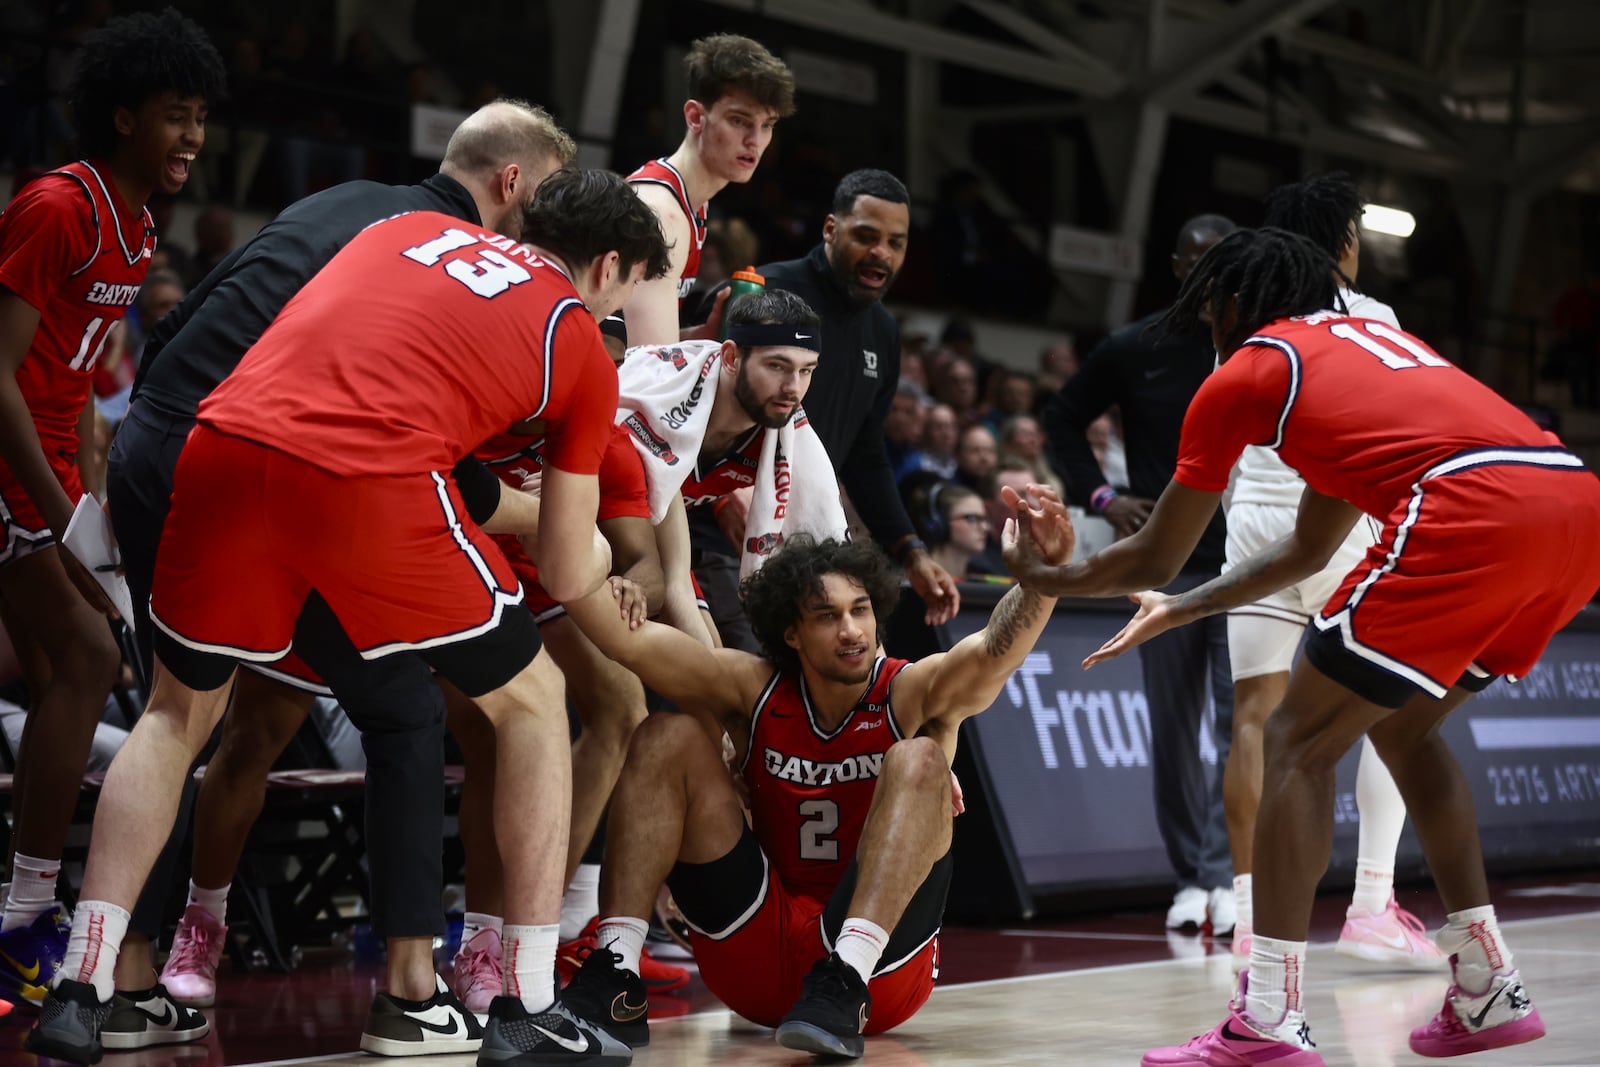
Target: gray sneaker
(148,1017)
(440,1024)
(69,1023)
(551,1038)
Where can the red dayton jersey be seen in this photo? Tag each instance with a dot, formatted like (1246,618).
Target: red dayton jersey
(77,254)
(809,790)
(624,493)
(421,339)
(1362,410)
(660,172)
(736,469)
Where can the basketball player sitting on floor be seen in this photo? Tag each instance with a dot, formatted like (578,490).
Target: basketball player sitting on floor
(846,758)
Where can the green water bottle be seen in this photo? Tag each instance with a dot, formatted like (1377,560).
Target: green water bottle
(742,282)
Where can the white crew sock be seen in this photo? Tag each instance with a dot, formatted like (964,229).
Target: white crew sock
(1276,968)
(214,901)
(475,922)
(624,936)
(32,890)
(97,932)
(1473,937)
(528,960)
(581,902)
(1383,816)
(1242,899)
(861,944)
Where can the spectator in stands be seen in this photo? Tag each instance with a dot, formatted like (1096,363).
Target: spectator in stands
(977,455)
(940,434)
(914,369)
(1057,363)
(957,386)
(902,429)
(1105,441)
(213,240)
(1022,445)
(956,527)
(1007,394)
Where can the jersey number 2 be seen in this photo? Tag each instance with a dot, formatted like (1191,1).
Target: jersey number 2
(821,819)
(1418,356)
(491,275)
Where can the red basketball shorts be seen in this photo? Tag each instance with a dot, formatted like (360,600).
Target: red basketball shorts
(254,530)
(23,530)
(1476,572)
(756,970)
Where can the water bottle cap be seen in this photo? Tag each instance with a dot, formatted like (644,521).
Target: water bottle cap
(749,275)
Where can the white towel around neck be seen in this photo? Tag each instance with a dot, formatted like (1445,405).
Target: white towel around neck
(666,396)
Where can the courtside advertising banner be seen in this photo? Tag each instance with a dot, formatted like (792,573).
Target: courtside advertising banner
(1067,756)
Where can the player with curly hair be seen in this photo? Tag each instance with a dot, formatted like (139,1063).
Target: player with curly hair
(821,917)
(74,248)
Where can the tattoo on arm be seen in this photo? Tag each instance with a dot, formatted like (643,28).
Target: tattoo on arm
(1016,612)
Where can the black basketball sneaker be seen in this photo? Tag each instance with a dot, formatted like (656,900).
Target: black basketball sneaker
(831,1013)
(614,999)
(554,1037)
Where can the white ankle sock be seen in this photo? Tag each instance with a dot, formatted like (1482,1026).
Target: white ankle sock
(1276,968)
(32,890)
(624,936)
(97,932)
(214,901)
(861,944)
(528,959)
(581,902)
(1473,937)
(1374,885)
(1242,885)
(475,922)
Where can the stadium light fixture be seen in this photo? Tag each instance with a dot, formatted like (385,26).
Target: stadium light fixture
(1389,220)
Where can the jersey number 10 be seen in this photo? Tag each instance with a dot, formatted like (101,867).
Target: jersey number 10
(1419,356)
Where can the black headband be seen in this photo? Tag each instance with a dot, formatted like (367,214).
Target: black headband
(774,335)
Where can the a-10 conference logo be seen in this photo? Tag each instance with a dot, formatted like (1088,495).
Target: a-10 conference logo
(1113,724)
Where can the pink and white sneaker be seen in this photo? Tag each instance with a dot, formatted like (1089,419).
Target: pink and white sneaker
(190,974)
(1241,1042)
(476,975)
(1393,937)
(1473,1022)
(1241,948)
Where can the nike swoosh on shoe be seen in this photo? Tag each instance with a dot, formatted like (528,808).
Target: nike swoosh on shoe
(583,1045)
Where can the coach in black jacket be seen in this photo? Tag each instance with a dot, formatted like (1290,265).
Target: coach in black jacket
(844,279)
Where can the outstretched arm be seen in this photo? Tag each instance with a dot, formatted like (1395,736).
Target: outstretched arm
(712,684)
(1320,528)
(1152,557)
(937,692)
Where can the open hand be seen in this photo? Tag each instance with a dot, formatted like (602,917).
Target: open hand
(1153,618)
(1039,539)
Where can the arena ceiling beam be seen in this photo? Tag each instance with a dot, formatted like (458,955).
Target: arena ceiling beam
(1045,38)
(1196,57)
(935,42)
(615,27)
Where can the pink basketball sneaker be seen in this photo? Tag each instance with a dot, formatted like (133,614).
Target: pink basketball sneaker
(1241,1042)
(476,977)
(190,974)
(1393,937)
(1499,1016)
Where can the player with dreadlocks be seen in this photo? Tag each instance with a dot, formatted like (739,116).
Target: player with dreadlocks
(1487,550)
(74,248)
(1263,636)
